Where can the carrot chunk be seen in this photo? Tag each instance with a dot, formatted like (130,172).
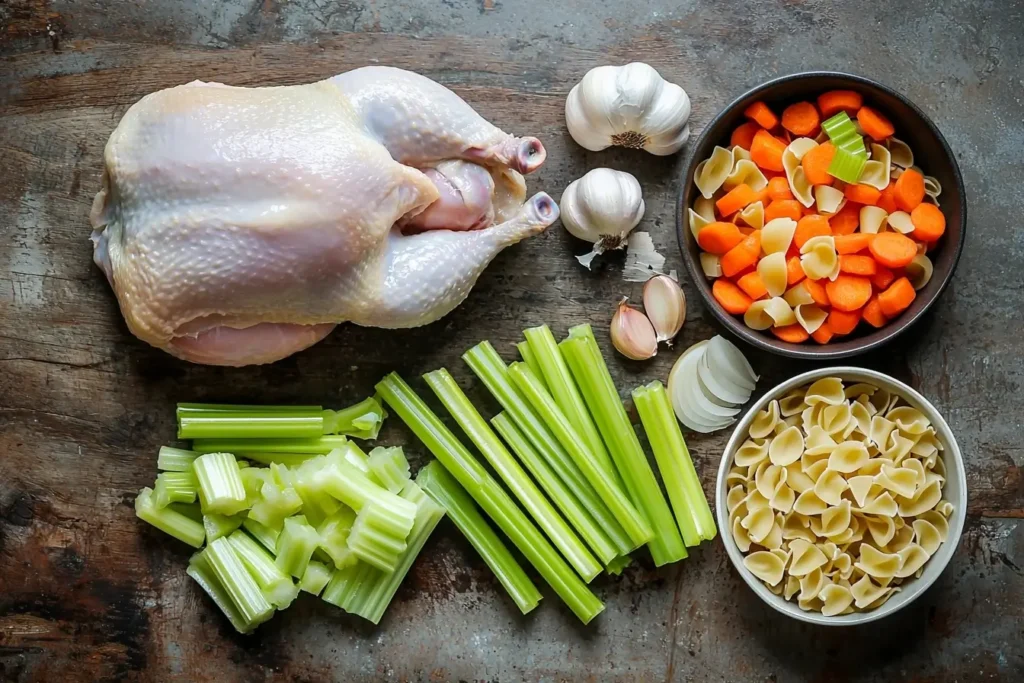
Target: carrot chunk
(874,124)
(778,189)
(719,237)
(742,256)
(766,151)
(897,297)
(801,119)
(857,264)
(848,292)
(892,249)
(735,199)
(883,277)
(732,298)
(752,284)
(835,101)
(873,314)
(816,163)
(909,190)
(824,333)
(846,221)
(887,198)
(760,113)
(862,194)
(818,292)
(783,208)
(843,322)
(929,222)
(851,244)
(794,334)
(810,226)
(743,136)
(794,271)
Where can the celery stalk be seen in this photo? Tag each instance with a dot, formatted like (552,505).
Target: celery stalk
(319,445)
(217,526)
(634,523)
(277,587)
(487,442)
(267,536)
(221,487)
(441,486)
(174,487)
(295,546)
(530,358)
(389,468)
(361,421)
(200,570)
(315,577)
(602,398)
(847,166)
(490,496)
(333,533)
(186,409)
(616,566)
(175,459)
(354,488)
(245,593)
(375,541)
(168,520)
(250,426)
(688,500)
(487,365)
(343,588)
(286,459)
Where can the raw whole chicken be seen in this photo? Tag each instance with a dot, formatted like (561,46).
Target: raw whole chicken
(240,225)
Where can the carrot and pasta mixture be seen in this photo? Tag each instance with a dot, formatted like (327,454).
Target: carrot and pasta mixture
(815,220)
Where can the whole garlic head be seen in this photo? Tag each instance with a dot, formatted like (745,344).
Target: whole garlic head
(602,208)
(628,106)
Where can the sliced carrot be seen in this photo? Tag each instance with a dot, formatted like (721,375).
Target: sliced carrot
(909,190)
(794,271)
(897,297)
(760,113)
(848,292)
(835,101)
(752,284)
(801,119)
(862,194)
(873,314)
(745,230)
(852,243)
(929,222)
(743,136)
(874,124)
(778,189)
(794,334)
(857,264)
(892,249)
(735,199)
(783,208)
(824,333)
(719,237)
(810,226)
(816,163)
(742,256)
(792,251)
(887,199)
(766,151)
(761,195)
(883,277)
(846,221)
(843,322)
(732,298)
(817,291)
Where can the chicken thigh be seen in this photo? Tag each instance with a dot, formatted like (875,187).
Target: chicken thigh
(240,225)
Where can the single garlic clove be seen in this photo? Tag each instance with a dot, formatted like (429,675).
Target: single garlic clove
(633,334)
(665,306)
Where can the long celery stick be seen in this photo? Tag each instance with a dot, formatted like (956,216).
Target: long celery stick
(320,445)
(616,566)
(602,398)
(361,421)
(168,520)
(562,387)
(184,409)
(245,593)
(485,362)
(490,496)
(175,459)
(441,486)
(626,513)
(286,459)
(487,442)
(688,500)
(530,358)
(250,426)
(556,489)
(200,570)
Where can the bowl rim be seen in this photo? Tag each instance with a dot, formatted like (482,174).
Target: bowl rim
(954,468)
(759,339)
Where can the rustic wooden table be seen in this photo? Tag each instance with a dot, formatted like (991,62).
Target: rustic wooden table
(87,592)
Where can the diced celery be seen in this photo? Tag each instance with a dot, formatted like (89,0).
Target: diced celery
(267,536)
(361,421)
(277,499)
(490,496)
(295,546)
(441,486)
(250,425)
(191,510)
(602,398)
(168,520)
(688,500)
(200,570)
(220,525)
(277,587)
(847,166)
(174,487)
(253,479)
(245,593)
(354,488)
(315,577)
(251,447)
(355,456)
(389,468)
(852,142)
(838,124)
(343,588)
(219,483)
(333,533)
(374,538)
(175,459)
(487,442)
(616,566)
(530,358)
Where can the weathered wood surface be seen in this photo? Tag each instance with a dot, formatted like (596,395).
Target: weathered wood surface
(89,593)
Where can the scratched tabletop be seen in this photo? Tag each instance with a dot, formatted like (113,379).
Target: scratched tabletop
(89,593)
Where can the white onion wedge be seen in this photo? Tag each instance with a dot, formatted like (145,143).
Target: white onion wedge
(720,386)
(684,373)
(725,358)
(708,384)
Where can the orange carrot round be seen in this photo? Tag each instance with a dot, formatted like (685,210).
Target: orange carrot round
(887,198)
(783,208)
(794,334)
(857,264)
(732,298)
(735,199)
(929,222)
(883,277)
(752,285)
(778,189)
(892,249)
(848,292)
(874,124)
(843,322)
(794,271)
(801,119)
(817,291)
(897,297)
(719,237)
(846,221)
(862,194)
(742,256)
(760,113)
(824,333)
(852,243)
(873,314)
(816,163)
(835,101)
(909,190)
(743,136)
(766,151)
(810,226)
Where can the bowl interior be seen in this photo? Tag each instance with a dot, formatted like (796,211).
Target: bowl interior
(955,491)
(931,153)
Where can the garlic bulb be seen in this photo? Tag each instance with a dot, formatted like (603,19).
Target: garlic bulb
(628,106)
(632,333)
(602,208)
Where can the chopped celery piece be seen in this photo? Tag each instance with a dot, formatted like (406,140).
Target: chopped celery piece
(485,362)
(441,486)
(219,483)
(277,587)
(688,500)
(220,525)
(377,590)
(250,447)
(175,459)
(616,566)
(490,496)
(239,584)
(625,512)
(315,577)
(852,142)
(295,546)
(354,488)
(191,510)
(251,425)
(200,570)
(556,489)
(563,389)
(316,505)
(487,442)
(174,487)
(389,468)
(277,500)
(353,455)
(253,479)
(333,534)
(376,539)
(343,588)
(530,358)
(361,421)
(602,398)
(168,520)
(267,536)
(847,166)
(837,125)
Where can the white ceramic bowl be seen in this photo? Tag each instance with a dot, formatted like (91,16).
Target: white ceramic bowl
(955,491)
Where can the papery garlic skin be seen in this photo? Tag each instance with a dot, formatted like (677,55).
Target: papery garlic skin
(628,106)
(633,334)
(602,208)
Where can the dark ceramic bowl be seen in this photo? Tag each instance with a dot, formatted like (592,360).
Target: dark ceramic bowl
(931,153)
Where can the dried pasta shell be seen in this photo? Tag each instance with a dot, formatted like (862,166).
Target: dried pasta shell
(787,447)
(711,264)
(792,403)
(900,153)
(924,500)
(830,487)
(899,447)
(835,599)
(798,183)
(777,235)
(766,313)
(696,222)
(745,172)
(758,523)
(835,418)
(932,187)
(879,430)
(900,222)
(881,528)
(819,258)
(848,457)
(753,215)
(810,317)
(764,422)
(711,173)
(876,171)
(806,557)
(740,535)
(927,536)
(872,218)
(883,504)
(797,479)
(808,503)
(860,487)
(828,199)
(705,208)
(792,587)
(912,558)
(819,442)
(835,520)
(751,452)
(769,478)
(866,592)
(875,563)
(902,481)
(772,269)
(766,566)
(826,390)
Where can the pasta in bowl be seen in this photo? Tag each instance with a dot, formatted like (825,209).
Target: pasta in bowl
(841,496)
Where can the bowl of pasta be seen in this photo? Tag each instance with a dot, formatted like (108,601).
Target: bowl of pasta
(821,214)
(841,496)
